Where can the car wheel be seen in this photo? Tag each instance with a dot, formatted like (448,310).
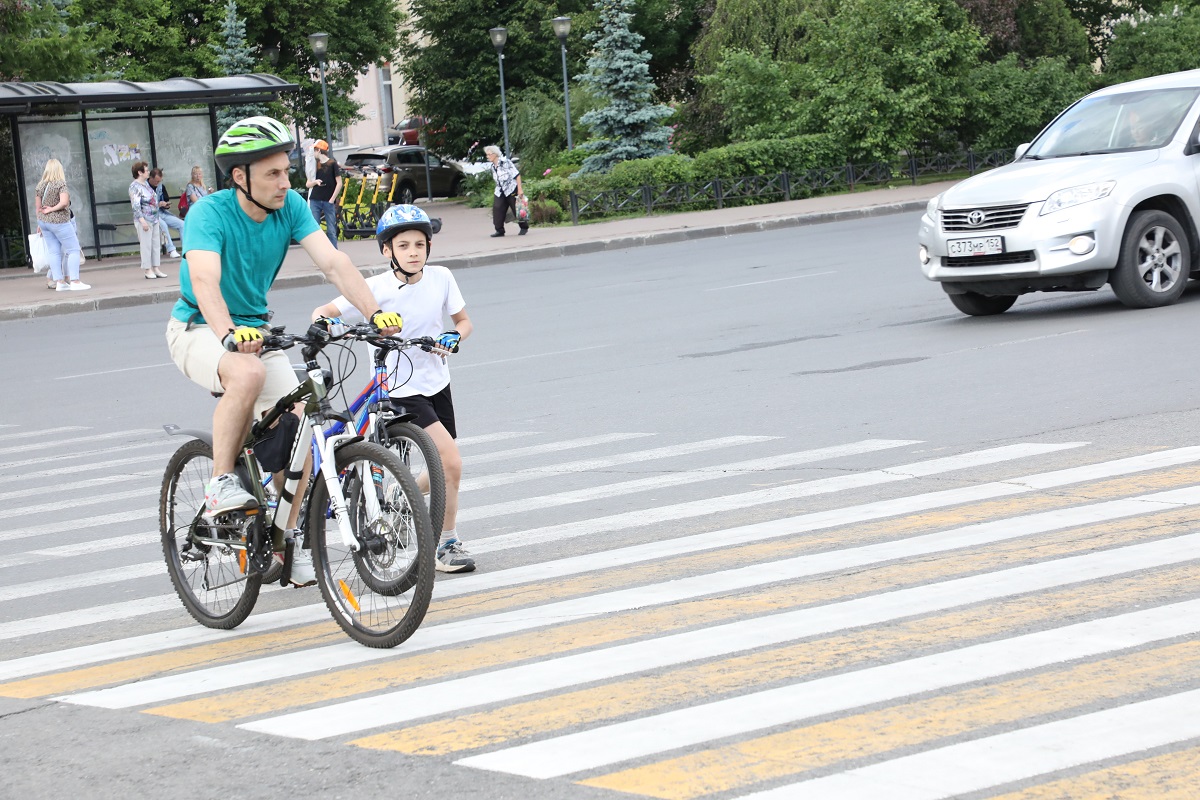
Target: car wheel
(980,305)
(405,195)
(1154,262)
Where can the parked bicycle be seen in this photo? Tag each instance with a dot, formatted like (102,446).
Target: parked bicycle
(364,518)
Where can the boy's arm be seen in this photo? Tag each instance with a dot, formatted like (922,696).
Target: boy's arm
(462,324)
(328,310)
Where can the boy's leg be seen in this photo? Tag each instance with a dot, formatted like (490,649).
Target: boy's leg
(451,467)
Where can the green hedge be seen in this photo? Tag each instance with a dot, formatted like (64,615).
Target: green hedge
(796,154)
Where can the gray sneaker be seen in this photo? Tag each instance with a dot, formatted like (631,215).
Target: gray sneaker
(453,557)
(225,493)
(303,573)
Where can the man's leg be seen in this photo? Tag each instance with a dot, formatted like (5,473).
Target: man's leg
(331,225)
(242,376)
(173,223)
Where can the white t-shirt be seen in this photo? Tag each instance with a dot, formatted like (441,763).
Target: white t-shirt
(424,306)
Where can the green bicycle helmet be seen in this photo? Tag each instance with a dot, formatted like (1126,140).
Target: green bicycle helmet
(249,140)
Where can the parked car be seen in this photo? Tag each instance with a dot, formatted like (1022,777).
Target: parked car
(407,131)
(1107,193)
(406,164)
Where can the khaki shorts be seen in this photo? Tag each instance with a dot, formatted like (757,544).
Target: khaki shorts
(197,352)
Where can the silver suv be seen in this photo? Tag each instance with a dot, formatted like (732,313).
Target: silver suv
(1107,193)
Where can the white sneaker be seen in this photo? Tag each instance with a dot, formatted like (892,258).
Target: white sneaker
(303,573)
(225,493)
(79,286)
(453,557)
(63,286)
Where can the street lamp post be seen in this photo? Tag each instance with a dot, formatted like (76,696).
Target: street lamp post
(320,46)
(562,27)
(499,37)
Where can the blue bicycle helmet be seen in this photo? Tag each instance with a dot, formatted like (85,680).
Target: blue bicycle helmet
(402,218)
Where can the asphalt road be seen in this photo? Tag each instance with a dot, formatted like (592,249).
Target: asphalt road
(765,432)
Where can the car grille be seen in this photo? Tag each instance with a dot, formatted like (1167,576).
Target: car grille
(1019,257)
(993,218)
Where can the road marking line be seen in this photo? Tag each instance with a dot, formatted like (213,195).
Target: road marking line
(499,436)
(744,534)
(507,684)
(591,464)
(63,488)
(94,521)
(78,549)
(75,466)
(41,432)
(1059,690)
(61,504)
(71,442)
(80,580)
(114,371)
(714,505)
(554,447)
(788,705)
(773,280)
(1019,755)
(1170,776)
(681,478)
(701,682)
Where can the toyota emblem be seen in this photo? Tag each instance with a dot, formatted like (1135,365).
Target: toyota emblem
(976,217)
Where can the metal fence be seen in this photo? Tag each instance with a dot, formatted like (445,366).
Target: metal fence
(12,250)
(721,192)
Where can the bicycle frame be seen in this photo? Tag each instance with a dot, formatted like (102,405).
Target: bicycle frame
(363,409)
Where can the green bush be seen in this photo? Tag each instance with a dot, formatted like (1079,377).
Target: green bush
(556,190)
(769,156)
(544,212)
(479,189)
(656,171)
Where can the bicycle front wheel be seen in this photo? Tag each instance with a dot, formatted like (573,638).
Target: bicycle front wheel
(206,561)
(379,592)
(416,449)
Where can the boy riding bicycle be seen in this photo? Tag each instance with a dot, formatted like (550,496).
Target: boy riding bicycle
(424,297)
(233,248)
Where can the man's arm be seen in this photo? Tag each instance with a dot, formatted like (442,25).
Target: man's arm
(205,269)
(337,190)
(340,271)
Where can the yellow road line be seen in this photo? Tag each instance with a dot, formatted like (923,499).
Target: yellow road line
(607,580)
(907,638)
(1170,776)
(919,723)
(208,655)
(258,701)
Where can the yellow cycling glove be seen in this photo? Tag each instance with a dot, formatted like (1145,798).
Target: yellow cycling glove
(386,319)
(239,335)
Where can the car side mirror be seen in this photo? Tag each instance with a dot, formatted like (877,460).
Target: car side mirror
(1022,149)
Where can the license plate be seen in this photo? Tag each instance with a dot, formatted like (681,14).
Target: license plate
(983,246)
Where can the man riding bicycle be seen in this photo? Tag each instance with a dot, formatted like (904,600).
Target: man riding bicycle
(233,248)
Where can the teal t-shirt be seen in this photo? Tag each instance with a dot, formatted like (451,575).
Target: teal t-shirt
(251,252)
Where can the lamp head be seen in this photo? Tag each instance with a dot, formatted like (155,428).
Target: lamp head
(499,37)
(320,44)
(562,28)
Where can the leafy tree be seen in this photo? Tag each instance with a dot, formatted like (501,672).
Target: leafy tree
(629,126)
(1096,15)
(40,44)
(758,95)
(450,68)
(668,28)
(1046,29)
(1010,102)
(234,57)
(537,125)
(886,75)
(1154,44)
(158,39)
(774,28)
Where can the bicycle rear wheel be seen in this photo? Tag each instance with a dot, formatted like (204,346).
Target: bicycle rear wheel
(206,561)
(416,449)
(378,594)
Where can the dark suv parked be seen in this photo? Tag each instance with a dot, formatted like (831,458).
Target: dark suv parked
(406,164)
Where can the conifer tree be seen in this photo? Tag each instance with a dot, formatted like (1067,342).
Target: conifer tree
(629,125)
(234,57)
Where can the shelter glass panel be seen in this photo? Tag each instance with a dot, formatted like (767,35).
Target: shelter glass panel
(43,138)
(116,142)
(182,140)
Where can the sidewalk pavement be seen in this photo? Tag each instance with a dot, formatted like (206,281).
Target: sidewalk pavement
(464,241)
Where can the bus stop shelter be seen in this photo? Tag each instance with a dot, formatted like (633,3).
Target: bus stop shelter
(98,130)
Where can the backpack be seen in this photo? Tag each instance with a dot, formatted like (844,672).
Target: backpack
(184,204)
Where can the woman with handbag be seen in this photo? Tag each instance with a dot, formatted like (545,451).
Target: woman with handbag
(53,203)
(145,218)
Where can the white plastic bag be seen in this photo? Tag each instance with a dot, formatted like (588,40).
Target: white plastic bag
(38,253)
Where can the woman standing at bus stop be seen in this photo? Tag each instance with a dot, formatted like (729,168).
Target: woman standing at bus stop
(145,218)
(54,223)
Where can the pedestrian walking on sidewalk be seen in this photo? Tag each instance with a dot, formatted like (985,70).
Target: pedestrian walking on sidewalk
(508,191)
(144,200)
(325,190)
(53,203)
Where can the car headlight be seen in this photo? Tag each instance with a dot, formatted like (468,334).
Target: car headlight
(934,209)
(1076,195)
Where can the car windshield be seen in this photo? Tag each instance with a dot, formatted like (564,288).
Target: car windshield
(1115,123)
(361,159)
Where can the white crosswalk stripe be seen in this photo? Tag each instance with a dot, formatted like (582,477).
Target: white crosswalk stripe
(766,560)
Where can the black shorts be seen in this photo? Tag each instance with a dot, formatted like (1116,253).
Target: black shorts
(435,408)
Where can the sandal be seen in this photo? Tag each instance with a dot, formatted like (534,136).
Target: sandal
(150,275)
(158,273)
